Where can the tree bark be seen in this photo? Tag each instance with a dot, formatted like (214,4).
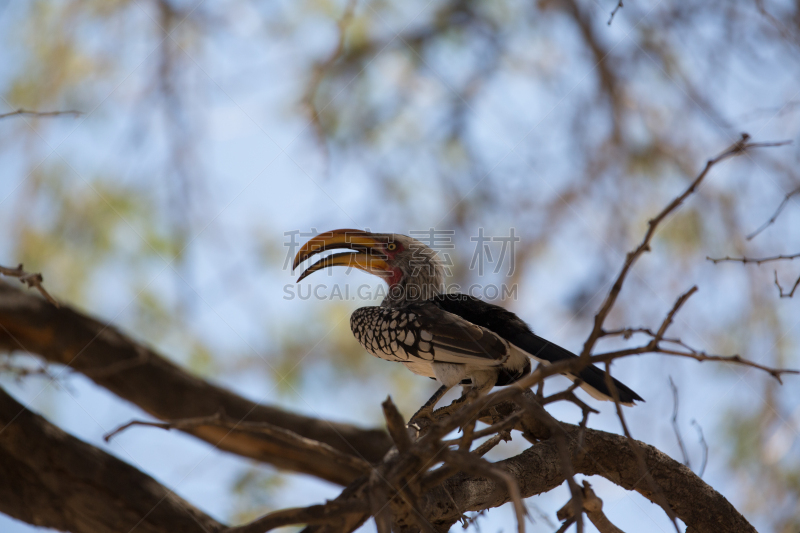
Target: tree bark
(538,470)
(143,377)
(51,479)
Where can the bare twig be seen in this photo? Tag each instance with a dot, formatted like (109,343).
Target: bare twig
(783,294)
(20,112)
(758,261)
(32,279)
(675,426)
(286,437)
(705,448)
(614,12)
(774,216)
(571,520)
(654,346)
(753,260)
(696,355)
(627,333)
(671,315)
(501,426)
(737,148)
(490,443)
(467,437)
(315,514)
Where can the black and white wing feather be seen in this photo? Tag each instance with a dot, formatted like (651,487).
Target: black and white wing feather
(426,332)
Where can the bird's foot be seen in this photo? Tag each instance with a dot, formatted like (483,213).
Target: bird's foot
(438,414)
(422,419)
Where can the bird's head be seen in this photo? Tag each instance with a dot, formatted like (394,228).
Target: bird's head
(410,268)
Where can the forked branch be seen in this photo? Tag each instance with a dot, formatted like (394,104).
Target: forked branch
(737,148)
(31,279)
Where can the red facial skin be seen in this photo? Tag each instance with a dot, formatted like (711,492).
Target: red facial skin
(396,273)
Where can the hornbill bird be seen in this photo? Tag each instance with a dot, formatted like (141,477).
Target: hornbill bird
(453,338)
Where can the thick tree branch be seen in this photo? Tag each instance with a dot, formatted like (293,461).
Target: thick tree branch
(162,389)
(442,496)
(51,479)
(539,469)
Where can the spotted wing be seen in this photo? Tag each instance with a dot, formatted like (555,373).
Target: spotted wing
(425,331)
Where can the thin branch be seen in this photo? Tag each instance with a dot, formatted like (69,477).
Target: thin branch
(675,426)
(671,315)
(314,514)
(571,520)
(468,436)
(780,289)
(627,333)
(774,216)
(31,279)
(286,437)
(575,365)
(697,356)
(705,448)
(737,148)
(654,346)
(753,260)
(499,427)
(20,112)
(614,12)
(484,448)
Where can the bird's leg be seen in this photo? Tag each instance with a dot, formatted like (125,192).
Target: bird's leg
(468,394)
(426,411)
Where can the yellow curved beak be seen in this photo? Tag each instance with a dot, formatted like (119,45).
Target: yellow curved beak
(365,256)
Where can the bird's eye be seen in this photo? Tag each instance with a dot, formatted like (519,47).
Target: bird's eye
(391,247)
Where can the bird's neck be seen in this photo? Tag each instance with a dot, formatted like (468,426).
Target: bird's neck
(405,291)
(417,276)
